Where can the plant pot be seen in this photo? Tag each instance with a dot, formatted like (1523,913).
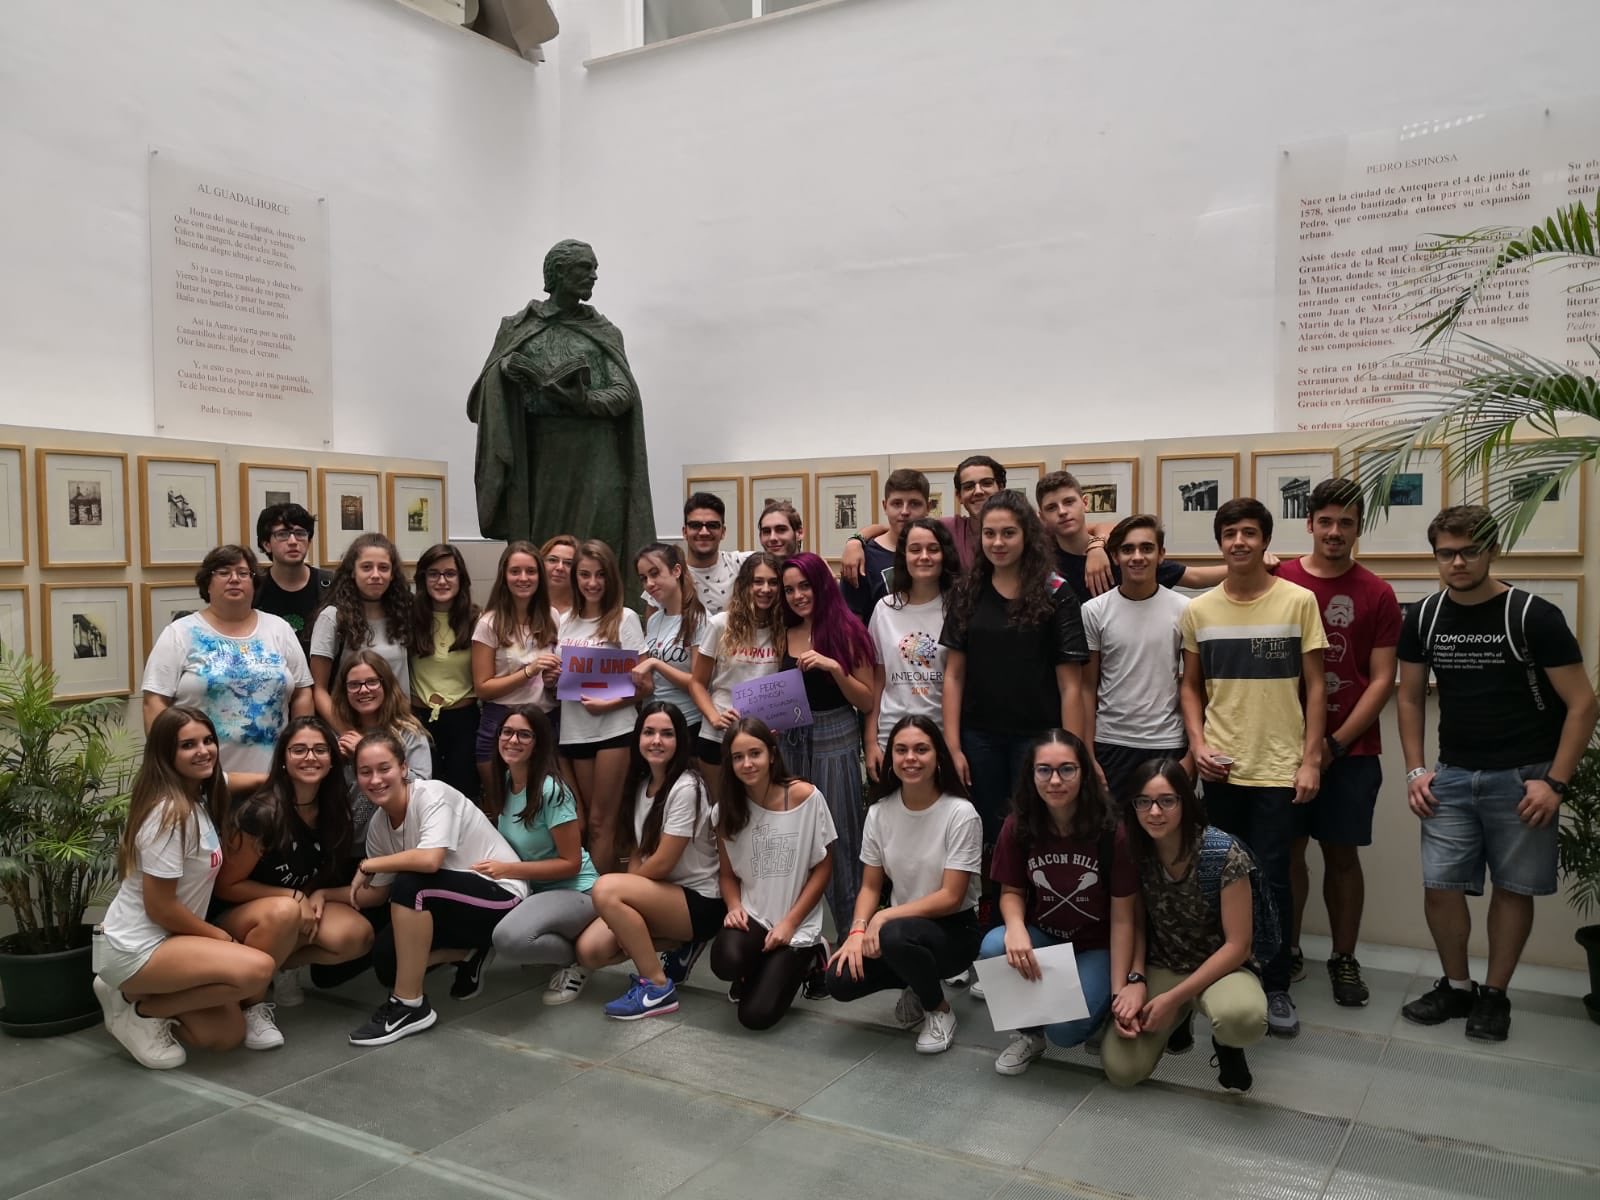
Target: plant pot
(1588,936)
(1591,1004)
(46,994)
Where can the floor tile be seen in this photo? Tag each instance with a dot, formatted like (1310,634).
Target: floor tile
(1544,1028)
(23,1060)
(1382,1164)
(579,1029)
(425,1181)
(1025,1186)
(1400,960)
(314,1040)
(1388,990)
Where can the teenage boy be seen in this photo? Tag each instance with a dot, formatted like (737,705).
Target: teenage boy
(1516,711)
(905,498)
(1361,619)
(290,587)
(977,477)
(1130,684)
(778,531)
(1251,646)
(713,568)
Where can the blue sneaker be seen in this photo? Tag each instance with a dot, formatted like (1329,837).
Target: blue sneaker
(678,963)
(644,999)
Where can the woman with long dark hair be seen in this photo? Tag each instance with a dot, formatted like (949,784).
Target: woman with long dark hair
(442,695)
(671,629)
(369,606)
(513,649)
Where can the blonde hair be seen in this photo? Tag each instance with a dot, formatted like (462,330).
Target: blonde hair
(158,786)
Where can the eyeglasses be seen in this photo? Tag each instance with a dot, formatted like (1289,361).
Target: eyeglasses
(1468,554)
(291,535)
(1166,802)
(972,485)
(231,573)
(707,526)
(363,685)
(1044,772)
(520,736)
(308,752)
(441,576)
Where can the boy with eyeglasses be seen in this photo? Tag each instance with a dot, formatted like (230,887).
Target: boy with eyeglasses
(291,587)
(713,568)
(1516,711)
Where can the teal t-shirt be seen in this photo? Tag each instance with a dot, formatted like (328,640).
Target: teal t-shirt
(533,842)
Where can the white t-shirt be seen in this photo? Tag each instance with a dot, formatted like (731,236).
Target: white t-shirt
(514,656)
(244,684)
(439,816)
(714,583)
(419,765)
(916,848)
(698,866)
(1141,652)
(907,644)
(663,640)
(578,724)
(127,926)
(773,854)
(736,666)
(325,635)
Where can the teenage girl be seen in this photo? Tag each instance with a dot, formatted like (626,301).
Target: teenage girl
(924,838)
(513,649)
(560,558)
(675,621)
(441,665)
(596,734)
(743,642)
(368,604)
(366,698)
(160,963)
(776,838)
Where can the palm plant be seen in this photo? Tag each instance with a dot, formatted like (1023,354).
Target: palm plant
(1580,832)
(64,776)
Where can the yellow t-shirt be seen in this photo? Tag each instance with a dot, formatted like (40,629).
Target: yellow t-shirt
(444,677)
(1250,654)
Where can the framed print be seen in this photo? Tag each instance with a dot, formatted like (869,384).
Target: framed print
(13,506)
(794,488)
(264,484)
(1564,591)
(347,507)
(16,632)
(83,508)
(88,638)
(1283,479)
(1024,477)
(1189,490)
(163,604)
(1410,591)
(730,490)
(943,500)
(1558,529)
(416,513)
(178,510)
(1110,487)
(846,500)
(1415,497)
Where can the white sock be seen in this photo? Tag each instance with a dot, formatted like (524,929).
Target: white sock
(417,1003)
(1461,985)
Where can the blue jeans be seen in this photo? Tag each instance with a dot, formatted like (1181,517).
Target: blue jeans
(1094,973)
(1476,824)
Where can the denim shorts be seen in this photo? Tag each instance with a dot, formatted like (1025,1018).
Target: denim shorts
(1476,822)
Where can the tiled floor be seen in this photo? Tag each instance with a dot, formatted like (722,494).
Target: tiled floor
(508,1098)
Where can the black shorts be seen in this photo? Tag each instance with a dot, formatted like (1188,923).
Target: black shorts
(705,915)
(708,751)
(582,751)
(1340,814)
(465,907)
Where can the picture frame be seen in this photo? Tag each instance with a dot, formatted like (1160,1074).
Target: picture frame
(1283,479)
(264,484)
(845,501)
(795,487)
(416,512)
(1110,487)
(1557,532)
(88,638)
(1563,590)
(348,500)
(1411,590)
(1024,477)
(179,514)
(163,603)
(83,507)
(730,490)
(1417,495)
(1189,490)
(943,499)
(13,506)
(16,628)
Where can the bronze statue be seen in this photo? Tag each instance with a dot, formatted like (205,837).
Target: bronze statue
(560,427)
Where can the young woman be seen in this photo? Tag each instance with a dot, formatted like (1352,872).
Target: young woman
(160,964)
(1197,940)
(284,857)
(424,851)
(834,655)
(537,813)
(923,837)
(776,838)
(367,699)
(369,605)
(670,891)
(1065,875)
(675,621)
(560,558)
(513,649)
(743,642)
(442,695)
(596,734)
(908,672)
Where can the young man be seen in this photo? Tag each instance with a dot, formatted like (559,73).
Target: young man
(290,587)
(1361,619)
(713,568)
(1516,710)
(1250,646)
(1130,684)
(977,478)
(778,531)
(905,498)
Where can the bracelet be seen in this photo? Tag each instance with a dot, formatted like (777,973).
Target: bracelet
(853,933)
(1097,541)
(1416,773)
(527,670)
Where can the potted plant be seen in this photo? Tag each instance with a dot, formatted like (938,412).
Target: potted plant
(64,776)
(1580,860)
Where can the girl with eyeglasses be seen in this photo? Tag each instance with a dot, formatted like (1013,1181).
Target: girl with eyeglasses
(442,696)
(513,650)
(1197,942)
(368,700)
(369,607)
(1065,875)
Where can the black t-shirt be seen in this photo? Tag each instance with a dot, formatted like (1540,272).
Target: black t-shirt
(1492,715)
(1011,669)
(861,598)
(301,865)
(822,690)
(1074,568)
(299,608)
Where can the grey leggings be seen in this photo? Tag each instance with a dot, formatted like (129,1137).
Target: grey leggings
(543,928)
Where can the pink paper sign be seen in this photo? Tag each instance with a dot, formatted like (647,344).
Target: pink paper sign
(598,672)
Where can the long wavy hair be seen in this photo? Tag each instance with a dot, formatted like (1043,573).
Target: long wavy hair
(538,628)
(745,620)
(610,597)
(949,562)
(1191,809)
(352,629)
(835,630)
(1035,600)
(733,804)
(541,768)
(638,777)
(945,776)
(694,612)
(159,786)
(1092,814)
(462,611)
(266,816)
(394,715)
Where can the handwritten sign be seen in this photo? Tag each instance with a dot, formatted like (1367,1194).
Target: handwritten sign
(779,700)
(598,672)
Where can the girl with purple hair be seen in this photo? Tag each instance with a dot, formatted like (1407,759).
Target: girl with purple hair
(830,646)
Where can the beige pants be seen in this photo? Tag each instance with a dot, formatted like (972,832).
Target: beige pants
(1235,1005)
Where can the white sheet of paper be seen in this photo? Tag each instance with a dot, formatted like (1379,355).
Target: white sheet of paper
(1018,1003)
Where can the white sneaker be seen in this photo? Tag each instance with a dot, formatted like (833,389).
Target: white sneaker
(938,1031)
(286,989)
(148,1039)
(976,990)
(908,1011)
(1025,1050)
(260,1030)
(961,980)
(111,1002)
(565,985)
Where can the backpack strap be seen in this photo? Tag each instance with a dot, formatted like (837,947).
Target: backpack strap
(1214,847)
(1427,618)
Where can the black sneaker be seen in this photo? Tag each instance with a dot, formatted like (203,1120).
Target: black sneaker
(678,963)
(1349,989)
(1297,965)
(1181,1039)
(1443,1003)
(1490,1019)
(469,974)
(394,1021)
(1233,1072)
(816,984)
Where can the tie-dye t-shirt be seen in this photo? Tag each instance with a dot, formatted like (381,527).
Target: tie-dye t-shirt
(243,684)
(907,642)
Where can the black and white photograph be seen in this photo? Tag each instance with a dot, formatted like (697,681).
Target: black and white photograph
(1199,495)
(351,512)
(83,502)
(845,500)
(1294,497)
(844,511)
(1110,487)
(83,508)
(1283,480)
(180,513)
(1190,489)
(88,638)
(1099,498)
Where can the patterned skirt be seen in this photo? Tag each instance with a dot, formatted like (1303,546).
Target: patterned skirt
(827,755)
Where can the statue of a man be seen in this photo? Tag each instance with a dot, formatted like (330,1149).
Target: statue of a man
(560,428)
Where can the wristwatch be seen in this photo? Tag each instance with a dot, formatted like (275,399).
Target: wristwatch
(1135,977)
(1556,786)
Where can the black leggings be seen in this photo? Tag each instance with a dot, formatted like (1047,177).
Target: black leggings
(769,978)
(455,735)
(915,952)
(465,909)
